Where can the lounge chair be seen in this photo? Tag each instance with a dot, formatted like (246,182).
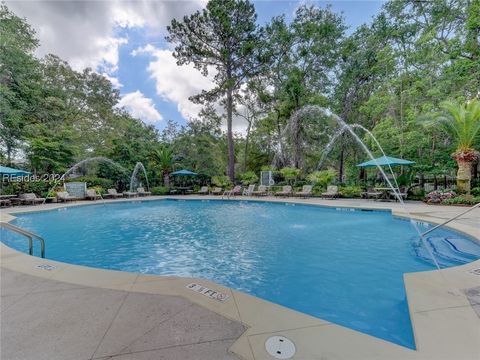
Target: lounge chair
(237,190)
(286,191)
(92,194)
(372,194)
(249,191)
(31,198)
(400,192)
(217,191)
(130,194)
(5,202)
(306,191)
(332,192)
(262,191)
(203,190)
(112,193)
(141,192)
(65,196)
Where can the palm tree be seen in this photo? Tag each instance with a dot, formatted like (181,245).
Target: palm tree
(164,157)
(462,123)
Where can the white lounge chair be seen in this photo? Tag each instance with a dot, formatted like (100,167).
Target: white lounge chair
(286,191)
(261,191)
(31,198)
(92,194)
(141,192)
(112,193)
(65,196)
(332,192)
(203,190)
(217,191)
(249,190)
(306,191)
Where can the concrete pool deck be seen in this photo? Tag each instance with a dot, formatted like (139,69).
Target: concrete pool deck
(444,318)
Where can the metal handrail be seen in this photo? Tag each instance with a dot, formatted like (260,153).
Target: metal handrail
(27,234)
(451,219)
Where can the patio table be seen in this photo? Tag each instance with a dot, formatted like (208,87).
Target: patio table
(385,192)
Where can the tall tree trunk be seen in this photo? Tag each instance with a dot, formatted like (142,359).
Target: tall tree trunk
(464,175)
(166,179)
(247,137)
(231,153)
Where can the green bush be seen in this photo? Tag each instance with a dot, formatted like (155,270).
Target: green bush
(221,181)
(475,191)
(249,178)
(290,173)
(462,200)
(39,188)
(93,181)
(351,191)
(160,190)
(322,178)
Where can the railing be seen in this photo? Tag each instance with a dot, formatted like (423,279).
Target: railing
(451,219)
(28,235)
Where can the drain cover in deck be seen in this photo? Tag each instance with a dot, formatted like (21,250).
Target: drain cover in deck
(280,347)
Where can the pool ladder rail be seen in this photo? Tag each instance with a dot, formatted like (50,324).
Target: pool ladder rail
(28,235)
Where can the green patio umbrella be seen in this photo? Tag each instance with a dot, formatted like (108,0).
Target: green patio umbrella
(386,161)
(5,170)
(184,173)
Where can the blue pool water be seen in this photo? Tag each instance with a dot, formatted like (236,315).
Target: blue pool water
(336,264)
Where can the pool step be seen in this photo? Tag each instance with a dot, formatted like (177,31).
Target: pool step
(448,251)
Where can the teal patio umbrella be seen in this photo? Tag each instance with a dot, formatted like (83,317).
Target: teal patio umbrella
(386,161)
(184,173)
(5,170)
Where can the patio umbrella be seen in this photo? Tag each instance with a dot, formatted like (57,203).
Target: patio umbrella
(5,170)
(184,173)
(385,161)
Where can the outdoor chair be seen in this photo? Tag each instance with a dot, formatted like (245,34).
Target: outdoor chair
(141,192)
(203,190)
(112,193)
(130,194)
(64,196)
(237,190)
(92,194)
(331,193)
(372,194)
(286,191)
(31,199)
(306,191)
(262,191)
(217,191)
(249,190)
(400,192)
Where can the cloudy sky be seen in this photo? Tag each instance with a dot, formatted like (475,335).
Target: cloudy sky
(124,40)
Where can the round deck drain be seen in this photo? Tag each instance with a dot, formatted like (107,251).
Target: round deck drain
(280,347)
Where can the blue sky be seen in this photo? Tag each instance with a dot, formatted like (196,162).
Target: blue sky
(124,40)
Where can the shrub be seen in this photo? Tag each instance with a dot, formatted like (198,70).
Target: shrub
(93,181)
(221,181)
(438,196)
(475,191)
(290,173)
(160,190)
(18,187)
(462,200)
(351,191)
(249,178)
(322,178)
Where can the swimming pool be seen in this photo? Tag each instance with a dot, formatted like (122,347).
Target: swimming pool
(342,265)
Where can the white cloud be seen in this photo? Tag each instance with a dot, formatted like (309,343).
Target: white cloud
(115,82)
(84,32)
(140,107)
(176,83)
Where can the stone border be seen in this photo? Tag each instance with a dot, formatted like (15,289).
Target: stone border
(444,323)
